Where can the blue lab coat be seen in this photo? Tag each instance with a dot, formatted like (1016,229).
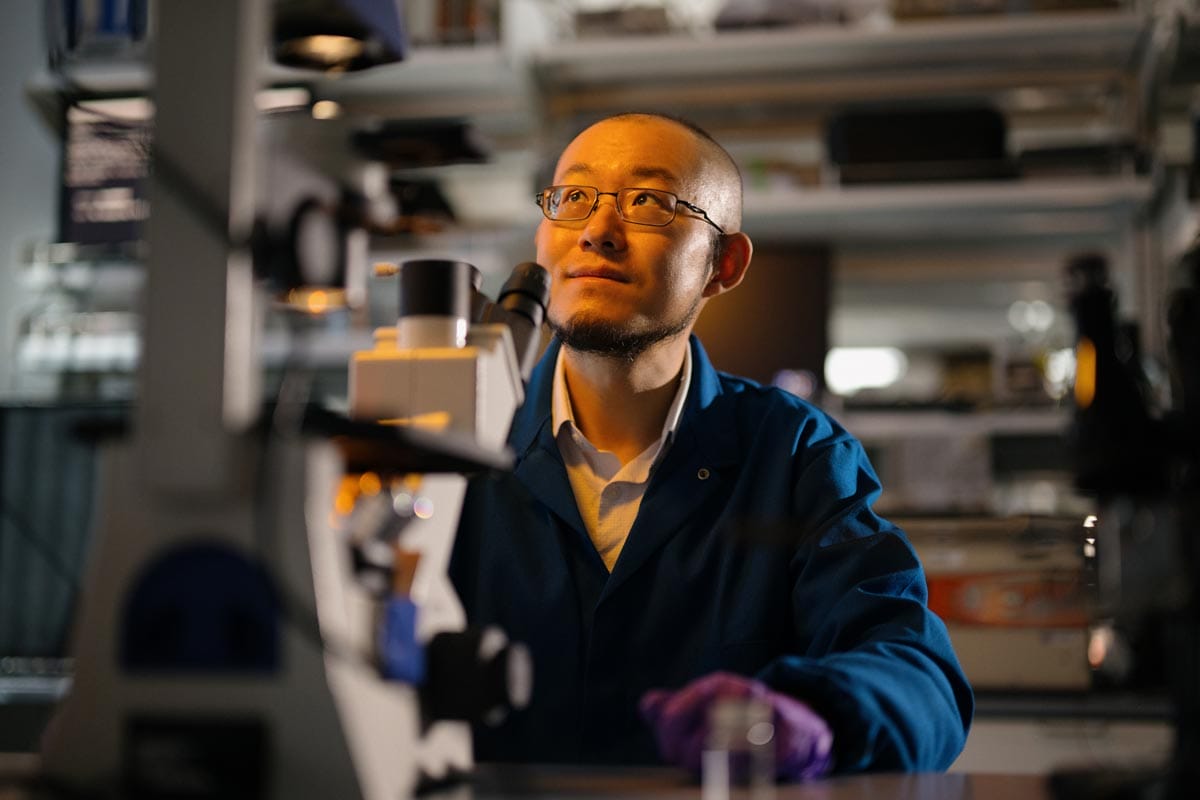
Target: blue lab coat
(755,551)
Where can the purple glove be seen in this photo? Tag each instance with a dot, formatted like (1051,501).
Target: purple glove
(680,719)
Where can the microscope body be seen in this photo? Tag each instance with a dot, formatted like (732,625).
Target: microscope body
(427,379)
(230,642)
(226,644)
(197,672)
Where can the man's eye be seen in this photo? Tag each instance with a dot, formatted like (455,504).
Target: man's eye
(647,199)
(575,196)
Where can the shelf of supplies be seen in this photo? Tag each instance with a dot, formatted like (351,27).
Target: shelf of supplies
(129,77)
(501,92)
(479,82)
(52,91)
(953,55)
(878,425)
(1068,206)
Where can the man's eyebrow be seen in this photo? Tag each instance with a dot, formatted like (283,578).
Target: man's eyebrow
(665,175)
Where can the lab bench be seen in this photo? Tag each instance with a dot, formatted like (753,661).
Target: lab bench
(493,782)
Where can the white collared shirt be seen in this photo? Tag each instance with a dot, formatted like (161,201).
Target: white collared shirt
(608,494)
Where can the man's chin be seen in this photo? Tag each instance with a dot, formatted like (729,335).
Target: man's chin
(608,338)
(598,337)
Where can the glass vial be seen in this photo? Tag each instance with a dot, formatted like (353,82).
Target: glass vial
(740,750)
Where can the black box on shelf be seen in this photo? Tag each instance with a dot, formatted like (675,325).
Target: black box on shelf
(105,165)
(896,144)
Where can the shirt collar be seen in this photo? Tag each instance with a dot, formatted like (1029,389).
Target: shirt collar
(562,414)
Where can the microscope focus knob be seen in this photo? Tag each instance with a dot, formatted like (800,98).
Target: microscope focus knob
(476,675)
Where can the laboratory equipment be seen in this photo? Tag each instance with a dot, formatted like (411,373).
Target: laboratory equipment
(1142,462)
(236,637)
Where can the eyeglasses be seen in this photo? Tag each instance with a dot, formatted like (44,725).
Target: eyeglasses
(641,206)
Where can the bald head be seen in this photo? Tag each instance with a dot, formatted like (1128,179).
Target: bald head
(716,180)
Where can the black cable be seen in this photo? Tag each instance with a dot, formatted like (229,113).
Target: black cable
(24,531)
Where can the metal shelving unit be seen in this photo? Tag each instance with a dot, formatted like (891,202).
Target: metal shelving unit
(1029,208)
(1077,77)
(782,77)
(975,52)
(1082,72)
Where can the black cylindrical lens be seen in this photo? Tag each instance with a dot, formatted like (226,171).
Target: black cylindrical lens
(437,287)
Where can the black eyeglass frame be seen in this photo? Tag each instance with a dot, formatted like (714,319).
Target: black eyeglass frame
(540,197)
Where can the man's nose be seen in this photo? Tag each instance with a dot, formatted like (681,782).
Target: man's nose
(605,230)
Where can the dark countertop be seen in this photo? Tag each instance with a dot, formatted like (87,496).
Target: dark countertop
(496,782)
(1081,705)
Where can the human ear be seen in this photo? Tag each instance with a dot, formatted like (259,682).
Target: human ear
(733,258)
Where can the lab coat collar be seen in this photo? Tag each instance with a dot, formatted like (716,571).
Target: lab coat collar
(691,470)
(539,464)
(533,418)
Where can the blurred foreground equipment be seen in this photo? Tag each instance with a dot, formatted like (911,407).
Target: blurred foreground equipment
(1143,465)
(267,608)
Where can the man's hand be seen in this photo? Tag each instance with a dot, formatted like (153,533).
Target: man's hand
(680,719)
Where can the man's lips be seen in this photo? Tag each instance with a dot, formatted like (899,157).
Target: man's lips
(604,273)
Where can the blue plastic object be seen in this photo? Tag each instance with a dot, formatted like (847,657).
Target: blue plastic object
(402,657)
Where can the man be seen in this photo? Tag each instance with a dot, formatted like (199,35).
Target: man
(636,548)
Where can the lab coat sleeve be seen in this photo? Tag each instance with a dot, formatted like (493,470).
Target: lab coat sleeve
(870,656)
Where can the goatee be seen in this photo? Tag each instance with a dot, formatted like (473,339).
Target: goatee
(614,339)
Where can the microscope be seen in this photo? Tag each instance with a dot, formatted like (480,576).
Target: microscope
(266,610)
